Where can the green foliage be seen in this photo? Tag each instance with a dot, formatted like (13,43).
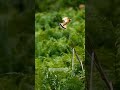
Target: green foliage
(53,49)
(50,5)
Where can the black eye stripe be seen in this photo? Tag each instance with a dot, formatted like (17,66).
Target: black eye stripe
(62,26)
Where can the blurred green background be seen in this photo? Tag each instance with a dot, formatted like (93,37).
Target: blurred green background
(103,28)
(17,45)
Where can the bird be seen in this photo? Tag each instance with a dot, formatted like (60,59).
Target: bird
(65,20)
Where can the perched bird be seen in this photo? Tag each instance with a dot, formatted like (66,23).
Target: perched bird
(65,20)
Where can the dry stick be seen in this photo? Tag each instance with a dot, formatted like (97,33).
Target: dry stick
(91,71)
(72,58)
(104,77)
(96,62)
(78,58)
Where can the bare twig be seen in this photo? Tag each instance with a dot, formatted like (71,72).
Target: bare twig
(72,58)
(90,49)
(78,58)
(91,71)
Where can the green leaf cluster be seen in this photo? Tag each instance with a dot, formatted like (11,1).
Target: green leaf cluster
(53,49)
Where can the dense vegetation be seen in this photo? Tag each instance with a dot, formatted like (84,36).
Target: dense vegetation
(53,48)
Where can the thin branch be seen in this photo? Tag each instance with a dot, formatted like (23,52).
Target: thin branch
(91,71)
(72,58)
(90,49)
(78,58)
